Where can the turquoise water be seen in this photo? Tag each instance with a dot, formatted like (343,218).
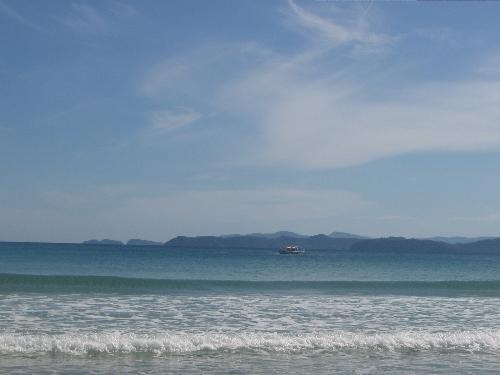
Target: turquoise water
(105,309)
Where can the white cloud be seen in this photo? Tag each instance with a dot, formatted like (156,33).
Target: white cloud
(316,127)
(311,116)
(166,120)
(335,33)
(312,109)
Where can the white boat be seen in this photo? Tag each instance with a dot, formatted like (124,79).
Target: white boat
(292,249)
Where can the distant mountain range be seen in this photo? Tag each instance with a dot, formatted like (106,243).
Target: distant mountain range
(333,241)
(242,237)
(103,242)
(139,242)
(324,242)
(458,239)
(131,242)
(398,244)
(282,233)
(319,241)
(346,235)
(288,234)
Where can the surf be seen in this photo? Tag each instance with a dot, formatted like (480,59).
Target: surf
(184,343)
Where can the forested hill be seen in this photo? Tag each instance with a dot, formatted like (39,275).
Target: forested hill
(319,241)
(324,242)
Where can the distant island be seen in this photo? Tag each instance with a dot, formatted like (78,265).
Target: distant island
(139,242)
(232,238)
(458,239)
(131,242)
(102,242)
(320,241)
(333,241)
(324,242)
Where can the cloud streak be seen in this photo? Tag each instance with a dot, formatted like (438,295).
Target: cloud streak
(314,110)
(12,13)
(166,120)
(315,127)
(87,19)
(336,33)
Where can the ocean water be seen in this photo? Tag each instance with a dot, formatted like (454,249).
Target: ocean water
(109,309)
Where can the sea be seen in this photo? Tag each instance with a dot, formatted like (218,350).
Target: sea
(80,309)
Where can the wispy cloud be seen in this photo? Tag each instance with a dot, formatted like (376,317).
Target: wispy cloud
(85,18)
(335,33)
(313,110)
(191,70)
(12,13)
(166,120)
(311,117)
(316,126)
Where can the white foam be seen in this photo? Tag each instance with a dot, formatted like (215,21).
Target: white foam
(272,342)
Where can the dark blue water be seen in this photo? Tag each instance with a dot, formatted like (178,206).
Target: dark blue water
(244,264)
(103,309)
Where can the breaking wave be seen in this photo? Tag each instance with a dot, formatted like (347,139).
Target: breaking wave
(167,344)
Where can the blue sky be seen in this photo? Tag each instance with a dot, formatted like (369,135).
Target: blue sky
(160,118)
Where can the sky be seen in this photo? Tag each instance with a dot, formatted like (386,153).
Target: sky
(152,119)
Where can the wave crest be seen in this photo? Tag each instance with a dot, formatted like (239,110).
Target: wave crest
(118,343)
